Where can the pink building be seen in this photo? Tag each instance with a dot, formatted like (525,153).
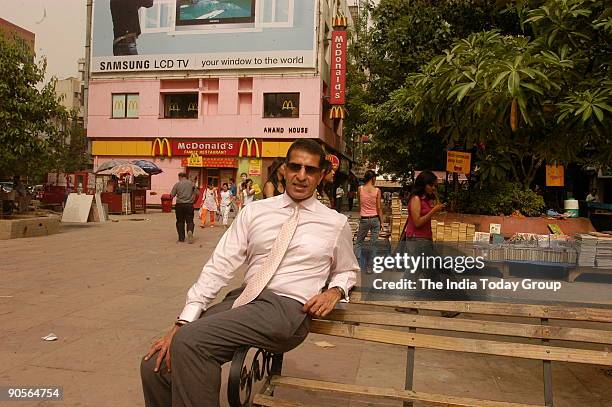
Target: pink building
(213,99)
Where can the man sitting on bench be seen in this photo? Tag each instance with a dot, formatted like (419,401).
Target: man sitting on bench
(293,245)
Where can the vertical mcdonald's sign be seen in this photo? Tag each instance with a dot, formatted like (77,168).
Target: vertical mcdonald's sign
(249,152)
(158,147)
(338,66)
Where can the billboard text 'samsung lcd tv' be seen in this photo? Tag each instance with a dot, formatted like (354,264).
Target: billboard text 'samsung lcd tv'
(196,12)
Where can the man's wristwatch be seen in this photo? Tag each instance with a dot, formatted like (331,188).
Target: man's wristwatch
(180,322)
(341,291)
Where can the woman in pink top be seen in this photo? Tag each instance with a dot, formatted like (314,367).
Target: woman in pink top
(422,205)
(371,215)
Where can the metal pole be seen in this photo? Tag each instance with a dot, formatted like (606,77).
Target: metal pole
(87,63)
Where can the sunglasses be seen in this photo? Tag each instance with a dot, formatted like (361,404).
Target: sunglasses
(310,170)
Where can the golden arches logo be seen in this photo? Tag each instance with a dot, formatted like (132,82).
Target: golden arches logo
(336,112)
(119,105)
(249,150)
(287,105)
(161,143)
(132,105)
(340,21)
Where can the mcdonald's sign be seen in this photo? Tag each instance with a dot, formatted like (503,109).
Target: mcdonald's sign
(340,21)
(158,147)
(249,148)
(338,67)
(336,112)
(287,105)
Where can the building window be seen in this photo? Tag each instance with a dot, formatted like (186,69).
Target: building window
(281,104)
(181,106)
(125,105)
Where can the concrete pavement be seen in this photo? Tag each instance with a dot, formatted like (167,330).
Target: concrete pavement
(107,290)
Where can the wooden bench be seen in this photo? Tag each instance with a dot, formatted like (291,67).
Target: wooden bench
(397,322)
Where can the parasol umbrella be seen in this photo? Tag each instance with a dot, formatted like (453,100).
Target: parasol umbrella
(149,167)
(127,169)
(110,164)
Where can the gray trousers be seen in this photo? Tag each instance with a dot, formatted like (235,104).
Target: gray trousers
(199,348)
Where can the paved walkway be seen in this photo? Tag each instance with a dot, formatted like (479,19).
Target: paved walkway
(107,290)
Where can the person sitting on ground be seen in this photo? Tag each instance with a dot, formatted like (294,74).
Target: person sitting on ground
(592,196)
(293,246)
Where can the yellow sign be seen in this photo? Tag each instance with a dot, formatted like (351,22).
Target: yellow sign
(249,151)
(336,112)
(255,167)
(555,176)
(160,143)
(287,105)
(458,161)
(195,160)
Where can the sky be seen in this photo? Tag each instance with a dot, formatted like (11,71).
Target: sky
(59,26)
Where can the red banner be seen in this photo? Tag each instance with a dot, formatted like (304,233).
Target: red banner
(214,162)
(220,148)
(338,67)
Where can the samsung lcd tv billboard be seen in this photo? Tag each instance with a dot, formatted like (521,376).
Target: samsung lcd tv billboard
(151,35)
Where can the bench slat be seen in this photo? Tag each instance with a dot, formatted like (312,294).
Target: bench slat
(269,401)
(473,326)
(505,309)
(389,393)
(527,351)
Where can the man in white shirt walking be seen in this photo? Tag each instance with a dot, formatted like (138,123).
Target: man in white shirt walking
(339,195)
(293,245)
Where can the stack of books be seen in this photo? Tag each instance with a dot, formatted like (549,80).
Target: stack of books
(398,218)
(586,245)
(603,258)
(452,232)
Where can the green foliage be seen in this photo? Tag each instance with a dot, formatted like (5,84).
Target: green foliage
(516,101)
(403,36)
(31,141)
(503,198)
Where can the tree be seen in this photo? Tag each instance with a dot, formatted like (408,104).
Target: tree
(402,37)
(517,102)
(31,141)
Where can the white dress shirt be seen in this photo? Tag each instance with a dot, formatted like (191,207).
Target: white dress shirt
(321,250)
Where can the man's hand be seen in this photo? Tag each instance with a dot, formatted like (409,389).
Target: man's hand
(162,345)
(322,304)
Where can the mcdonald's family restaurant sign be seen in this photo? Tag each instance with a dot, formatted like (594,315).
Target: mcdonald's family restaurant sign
(215,148)
(458,161)
(165,147)
(338,67)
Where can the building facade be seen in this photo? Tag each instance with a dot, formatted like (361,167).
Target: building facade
(214,91)
(9,31)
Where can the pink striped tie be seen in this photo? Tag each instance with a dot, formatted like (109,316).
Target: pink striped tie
(259,281)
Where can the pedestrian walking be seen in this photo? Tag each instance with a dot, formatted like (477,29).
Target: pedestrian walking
(210,205)
(293,247)
(248,192)
(225,203)
(370,210)
(186,194)
(239,192)
(351,196)
(233,190)
(323,189)
(339,195)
